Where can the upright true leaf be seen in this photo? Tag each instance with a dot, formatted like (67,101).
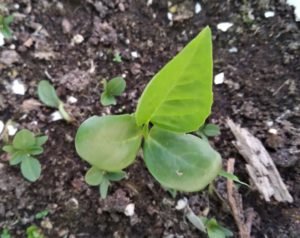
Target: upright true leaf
(109,143)
(179,97)
(180,161)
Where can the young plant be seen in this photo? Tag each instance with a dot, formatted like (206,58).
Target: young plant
(117,57)
(4,26)
(114,87)
(214,229)
(5,233)
(176,102)
(34,232)
(209,130)
(48,96)
(97,177)
(24,146)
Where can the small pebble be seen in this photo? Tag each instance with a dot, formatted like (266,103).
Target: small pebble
(198,8)
(149,2)
(18,87)
(134,54)
(12,47)
(72,100)
(269,14)
(77,39)
(296,5)
(170,16)
(56,116)
(12,129)
(270,123)
(2,42)
(219,78)
(129,210)
(273,131)
(224,26)
(1,126)
(47,224)
(181,204)
(233,50)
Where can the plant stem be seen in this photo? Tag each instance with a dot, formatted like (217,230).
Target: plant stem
(63,112)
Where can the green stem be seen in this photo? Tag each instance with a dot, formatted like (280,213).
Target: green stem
(63,112)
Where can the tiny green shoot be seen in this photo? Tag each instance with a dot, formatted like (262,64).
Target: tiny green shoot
(22,151)
(232,177)
(97,177)
(34,232)
(214,229)
(114,87)
(48,96)
(117,57)
(5,233)
(4,26)
(209,130)
(41,214)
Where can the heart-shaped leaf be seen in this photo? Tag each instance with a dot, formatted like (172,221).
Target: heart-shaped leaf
(24,139)
(94,176)
(180,161)
(179,97)
(31,168)
(109,143)
(47,94)
(115,86)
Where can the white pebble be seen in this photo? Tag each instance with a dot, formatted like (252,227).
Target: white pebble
(129,210)
(233,50)
(18,87)
(1,126)
(296,5)
(56,116)
(2,42)
(124,75)
(270,123)
(77,39)
(170,16)
(198,8)
(72,100)
(181,204)
(12,129)
(224,26)
(273,131)
(269,14)
(149,2)
(12,47)
(17,6)
(134,54)
(219,78)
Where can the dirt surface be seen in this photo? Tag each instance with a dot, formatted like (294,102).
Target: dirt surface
(261,91)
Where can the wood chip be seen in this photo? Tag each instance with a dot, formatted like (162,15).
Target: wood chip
(260,165)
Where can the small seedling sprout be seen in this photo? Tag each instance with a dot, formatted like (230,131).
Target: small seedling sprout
(4,26)
(48,96)
(114,87)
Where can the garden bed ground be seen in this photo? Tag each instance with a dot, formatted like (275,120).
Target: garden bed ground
(261,91)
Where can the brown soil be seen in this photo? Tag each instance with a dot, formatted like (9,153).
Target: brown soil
(262,86)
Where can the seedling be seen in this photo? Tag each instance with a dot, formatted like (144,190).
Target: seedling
(4,26)
(41,214)
(24,146)
(209,130)
(214,229)
(97,177)
(114,87)
(117,57)
(177,101)
(5,233)
(48,96)
(34,232)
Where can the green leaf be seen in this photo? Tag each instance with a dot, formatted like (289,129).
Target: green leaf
(115,87)
(109,143)
(17,158)
(5,233)
(47,94)
(103,188)
(211,130)
(231,177)
(34,232)
(117,57)
(107,100)
(31,169)
(180,161)
(41,140)
(23,140)
(41,214)
(35,150)
(94,176)
(115,176)
(179,97)
(9,149)
(214,230)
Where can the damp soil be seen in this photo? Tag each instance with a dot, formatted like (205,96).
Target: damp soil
(261,63)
